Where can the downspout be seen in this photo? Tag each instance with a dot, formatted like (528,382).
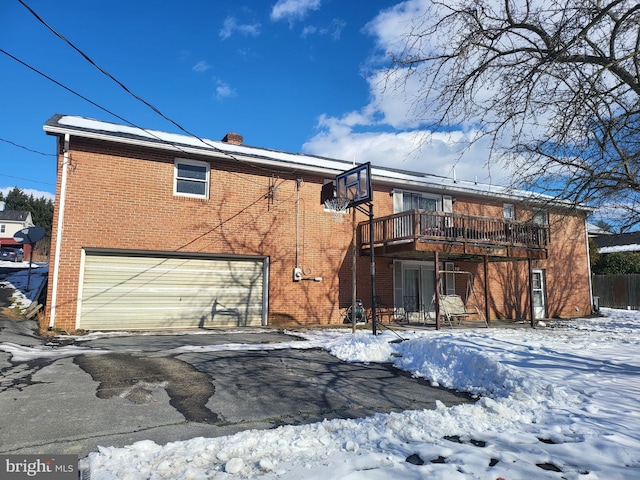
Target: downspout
(56,260)
(586,234)
(298,182)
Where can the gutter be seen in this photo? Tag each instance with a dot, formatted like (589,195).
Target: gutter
(292,161)
(586,237)
(56,260)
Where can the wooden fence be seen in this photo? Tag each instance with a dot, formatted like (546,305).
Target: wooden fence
(617,291)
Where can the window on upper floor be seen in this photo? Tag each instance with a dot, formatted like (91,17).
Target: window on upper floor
(509,211)
(191,178)
(3,228)
(540,217)
(419,201)
(404,201)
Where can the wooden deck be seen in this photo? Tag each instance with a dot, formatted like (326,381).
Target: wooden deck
(420,233)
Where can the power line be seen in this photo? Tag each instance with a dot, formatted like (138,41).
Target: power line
(70,90)
(26,179)
(107,74)
(137,97)
(26,148)
(33,69)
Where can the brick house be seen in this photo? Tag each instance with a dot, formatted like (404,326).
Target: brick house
(162,230)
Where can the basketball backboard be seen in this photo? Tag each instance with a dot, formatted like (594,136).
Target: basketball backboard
(355,185)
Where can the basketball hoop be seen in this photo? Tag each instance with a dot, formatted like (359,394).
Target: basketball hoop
(337,207)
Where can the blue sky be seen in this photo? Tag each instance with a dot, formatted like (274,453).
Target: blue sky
(292,75)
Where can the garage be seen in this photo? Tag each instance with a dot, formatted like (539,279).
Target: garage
(141,290)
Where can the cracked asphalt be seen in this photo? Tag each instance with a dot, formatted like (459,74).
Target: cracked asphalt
(167,387)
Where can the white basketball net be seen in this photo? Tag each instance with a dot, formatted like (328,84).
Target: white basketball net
(338,207)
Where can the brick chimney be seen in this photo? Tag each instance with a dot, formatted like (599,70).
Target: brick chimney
(233,138)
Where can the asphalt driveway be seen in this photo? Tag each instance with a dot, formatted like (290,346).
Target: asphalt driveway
(118,390)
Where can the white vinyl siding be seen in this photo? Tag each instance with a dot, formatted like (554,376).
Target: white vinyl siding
(139,291)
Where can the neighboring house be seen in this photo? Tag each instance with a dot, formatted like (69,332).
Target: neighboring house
(11,222)
(158,230)
(616,282)
(620,242)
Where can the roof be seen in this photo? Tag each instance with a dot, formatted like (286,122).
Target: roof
(293,162)
(622,242)
(594,230)
(14,215)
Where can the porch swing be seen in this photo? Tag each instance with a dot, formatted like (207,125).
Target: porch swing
(453,307)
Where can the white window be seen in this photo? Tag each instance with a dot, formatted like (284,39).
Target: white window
(2,228)
(509,211)
(191,178)
(404,201)
(540,217)
(450,278)
(419,201)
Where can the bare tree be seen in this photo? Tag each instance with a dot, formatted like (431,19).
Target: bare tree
(554,85)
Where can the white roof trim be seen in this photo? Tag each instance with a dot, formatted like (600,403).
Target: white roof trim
(98,130)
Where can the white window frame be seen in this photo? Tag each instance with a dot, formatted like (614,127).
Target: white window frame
(450,278)
(206,182)
(540,217)
(3,228)
(442,201)
(509,211)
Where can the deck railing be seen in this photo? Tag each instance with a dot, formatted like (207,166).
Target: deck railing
(426,225)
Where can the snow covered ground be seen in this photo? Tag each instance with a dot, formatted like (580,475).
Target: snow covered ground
(557,402)
(27,288)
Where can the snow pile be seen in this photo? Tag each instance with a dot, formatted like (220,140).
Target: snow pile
(555,403)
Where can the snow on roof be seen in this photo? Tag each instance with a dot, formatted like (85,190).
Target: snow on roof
(621,242)
(61,124)
(633,247)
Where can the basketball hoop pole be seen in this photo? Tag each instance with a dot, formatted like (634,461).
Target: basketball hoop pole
(373,272)
(354,271)
(373,267)
(355,185)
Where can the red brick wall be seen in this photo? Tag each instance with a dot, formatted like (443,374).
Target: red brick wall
(566,275)
(121,197)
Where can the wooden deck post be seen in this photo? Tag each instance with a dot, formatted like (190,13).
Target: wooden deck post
(532,310)
(486,288)
(437,293)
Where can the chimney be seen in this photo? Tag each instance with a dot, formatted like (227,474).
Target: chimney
(233,138)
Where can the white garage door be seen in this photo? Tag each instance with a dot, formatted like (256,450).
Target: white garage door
(140,291)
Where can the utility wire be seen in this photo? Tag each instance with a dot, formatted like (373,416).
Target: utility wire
(69,89)
(26,148)
(151,133)
(86,99)
(137,97)
(104,72)
(27,179)
(122,85)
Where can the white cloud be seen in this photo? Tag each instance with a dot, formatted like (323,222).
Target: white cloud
(224,90)
(201,66)
(292,10)
(392,129)
(436,153)
(29,191)
(231,26)
(390,26)
(334,30)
